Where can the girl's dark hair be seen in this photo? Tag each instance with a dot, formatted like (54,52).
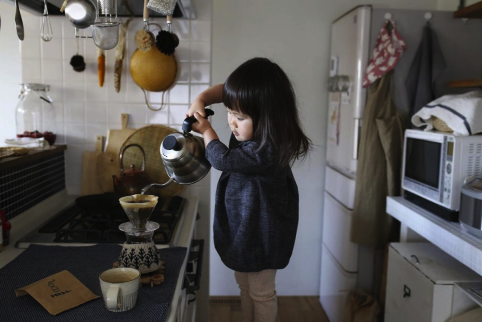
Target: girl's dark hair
(260,89)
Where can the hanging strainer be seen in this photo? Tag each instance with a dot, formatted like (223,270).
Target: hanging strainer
(105,31)
(165,7)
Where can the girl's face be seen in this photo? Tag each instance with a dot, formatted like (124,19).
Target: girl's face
(241,125)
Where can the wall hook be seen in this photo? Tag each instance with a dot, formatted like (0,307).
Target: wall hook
(388,16)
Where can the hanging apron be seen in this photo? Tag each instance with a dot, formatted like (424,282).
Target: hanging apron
(379,168)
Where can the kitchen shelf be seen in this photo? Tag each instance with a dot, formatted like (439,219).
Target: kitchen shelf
(466,83)
(32,155)
(469,288)
(448,236)
(472,11)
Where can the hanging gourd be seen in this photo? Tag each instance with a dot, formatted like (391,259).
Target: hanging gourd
(151,69)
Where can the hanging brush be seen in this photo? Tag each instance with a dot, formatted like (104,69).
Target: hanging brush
(166,41)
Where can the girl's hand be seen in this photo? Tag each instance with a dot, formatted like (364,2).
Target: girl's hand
(196,106)
(202,125)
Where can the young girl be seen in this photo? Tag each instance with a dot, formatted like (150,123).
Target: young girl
(256,211)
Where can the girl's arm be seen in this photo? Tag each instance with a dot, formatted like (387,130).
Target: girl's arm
(212,95)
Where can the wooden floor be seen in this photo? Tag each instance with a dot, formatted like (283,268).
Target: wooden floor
(290,309)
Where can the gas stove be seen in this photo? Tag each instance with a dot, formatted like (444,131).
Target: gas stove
(96,218)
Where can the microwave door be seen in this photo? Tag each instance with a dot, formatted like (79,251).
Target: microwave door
(423,160)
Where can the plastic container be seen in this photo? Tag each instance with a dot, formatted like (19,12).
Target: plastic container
(35,116)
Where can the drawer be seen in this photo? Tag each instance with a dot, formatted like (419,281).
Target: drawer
(336,234)
(335,285)
(409,295)
(340,187)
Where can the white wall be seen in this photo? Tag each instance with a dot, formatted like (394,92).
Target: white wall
(295,34)
(10,72)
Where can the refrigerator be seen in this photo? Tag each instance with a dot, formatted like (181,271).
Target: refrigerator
(346,266)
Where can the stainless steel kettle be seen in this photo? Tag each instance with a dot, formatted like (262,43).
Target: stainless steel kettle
(183,156)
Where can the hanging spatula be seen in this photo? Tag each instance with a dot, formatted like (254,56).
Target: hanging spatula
(19,22)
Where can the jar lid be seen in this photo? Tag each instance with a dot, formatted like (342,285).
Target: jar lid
(36,86)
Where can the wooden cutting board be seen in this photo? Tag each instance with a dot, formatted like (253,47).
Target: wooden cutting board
(150,139)
(116,138)
(107,164)
(89,164)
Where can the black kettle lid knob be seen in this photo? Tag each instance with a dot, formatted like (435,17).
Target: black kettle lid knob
(170,143)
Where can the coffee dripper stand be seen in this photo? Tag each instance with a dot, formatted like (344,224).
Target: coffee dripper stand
(139,251)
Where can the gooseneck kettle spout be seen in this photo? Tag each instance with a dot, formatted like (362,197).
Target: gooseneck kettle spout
(183,156)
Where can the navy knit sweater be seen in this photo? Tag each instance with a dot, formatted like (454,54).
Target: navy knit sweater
(257,206)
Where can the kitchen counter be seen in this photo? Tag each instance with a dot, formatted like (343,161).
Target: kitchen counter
(31,156)
(31,219)
(42,212)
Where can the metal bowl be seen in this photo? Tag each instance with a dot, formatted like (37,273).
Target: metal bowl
(81,13)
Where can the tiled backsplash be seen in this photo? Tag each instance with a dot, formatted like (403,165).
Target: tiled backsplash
(85,110)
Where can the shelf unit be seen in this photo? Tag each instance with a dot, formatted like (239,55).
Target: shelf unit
(466,83)
(470,12)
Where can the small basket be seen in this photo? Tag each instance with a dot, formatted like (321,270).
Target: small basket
(440,125)
(12,152)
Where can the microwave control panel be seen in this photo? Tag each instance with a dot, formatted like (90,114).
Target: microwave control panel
(448,169)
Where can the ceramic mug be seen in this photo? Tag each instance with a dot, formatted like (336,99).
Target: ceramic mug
(119,288)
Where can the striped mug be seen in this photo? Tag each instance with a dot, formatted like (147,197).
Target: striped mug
(119,288)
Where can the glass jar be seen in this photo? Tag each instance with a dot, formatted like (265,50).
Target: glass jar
(35,115)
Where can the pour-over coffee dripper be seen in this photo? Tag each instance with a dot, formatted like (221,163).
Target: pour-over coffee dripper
(139,251)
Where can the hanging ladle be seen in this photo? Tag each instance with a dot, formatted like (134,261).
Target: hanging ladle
(19,22)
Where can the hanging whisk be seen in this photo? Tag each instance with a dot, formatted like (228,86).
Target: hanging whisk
(46,30)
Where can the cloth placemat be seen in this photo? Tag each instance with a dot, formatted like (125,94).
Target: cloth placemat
(85,263)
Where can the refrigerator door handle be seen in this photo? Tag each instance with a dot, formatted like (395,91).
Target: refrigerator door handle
(356,137)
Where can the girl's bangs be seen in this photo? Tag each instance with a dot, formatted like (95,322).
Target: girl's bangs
(233,96)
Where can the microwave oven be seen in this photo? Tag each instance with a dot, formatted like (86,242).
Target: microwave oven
(435,165)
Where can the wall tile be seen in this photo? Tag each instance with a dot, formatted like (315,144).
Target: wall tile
(196,89)
(30,48)
(158,117)
(177,113)
(31,71)
(183,73)
(95,113)
(201,30)
(59,111)
(74,112)
(31,25)
(200,73)
(74,91)
(52,71)
(179,94)
(181,28)
(182,52)
(137,113)
(75,134)
(114,111)
(200,51)
(52,49)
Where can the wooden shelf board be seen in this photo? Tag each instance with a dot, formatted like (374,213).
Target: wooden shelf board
(466,83)
(472,11)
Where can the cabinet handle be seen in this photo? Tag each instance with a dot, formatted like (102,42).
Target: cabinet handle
(406,291)
(416,259)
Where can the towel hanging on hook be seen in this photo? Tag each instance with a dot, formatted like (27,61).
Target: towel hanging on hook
(386,54)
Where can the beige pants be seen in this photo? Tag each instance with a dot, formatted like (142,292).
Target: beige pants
(258,295)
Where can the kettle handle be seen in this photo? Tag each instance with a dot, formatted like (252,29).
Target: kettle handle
(187,124)
(121,158)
